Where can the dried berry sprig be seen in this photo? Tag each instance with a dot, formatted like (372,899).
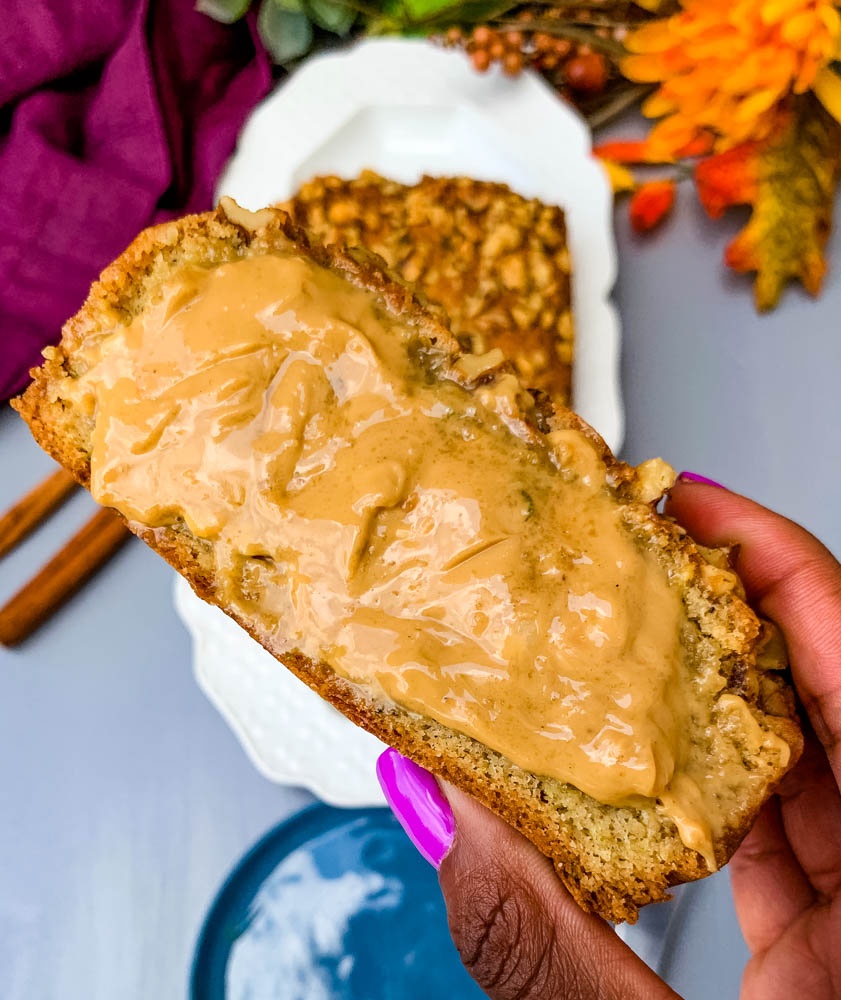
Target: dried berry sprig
(577,58)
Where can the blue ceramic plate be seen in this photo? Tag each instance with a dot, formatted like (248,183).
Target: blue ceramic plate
(333,904)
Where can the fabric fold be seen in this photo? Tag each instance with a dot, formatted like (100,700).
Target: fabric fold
(116,114)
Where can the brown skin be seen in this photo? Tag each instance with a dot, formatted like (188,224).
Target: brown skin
(519,932)
(521,935)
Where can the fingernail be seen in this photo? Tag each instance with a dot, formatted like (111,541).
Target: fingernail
(693,477)
(416,800)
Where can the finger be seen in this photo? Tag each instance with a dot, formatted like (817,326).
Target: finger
(810,807)
(792,579)
(770,890)
(518,931)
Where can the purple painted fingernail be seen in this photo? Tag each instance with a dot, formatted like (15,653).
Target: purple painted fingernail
(416,800)
(693,477)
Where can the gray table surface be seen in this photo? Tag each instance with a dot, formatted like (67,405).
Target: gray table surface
(126,799)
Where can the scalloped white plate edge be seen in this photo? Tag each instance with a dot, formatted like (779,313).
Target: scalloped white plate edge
(344,777)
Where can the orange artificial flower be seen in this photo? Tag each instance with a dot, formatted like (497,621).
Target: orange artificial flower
(729,178)
(627,152)
(700,145)
(650,204)
(724,66)
(642,151)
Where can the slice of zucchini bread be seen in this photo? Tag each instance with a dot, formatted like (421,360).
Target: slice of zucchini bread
(459,565)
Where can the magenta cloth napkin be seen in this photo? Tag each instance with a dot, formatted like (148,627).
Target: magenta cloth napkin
(115,114)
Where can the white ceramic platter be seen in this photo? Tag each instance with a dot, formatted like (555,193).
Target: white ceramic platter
(403,108)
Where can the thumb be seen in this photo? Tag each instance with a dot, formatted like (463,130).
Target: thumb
(518,931)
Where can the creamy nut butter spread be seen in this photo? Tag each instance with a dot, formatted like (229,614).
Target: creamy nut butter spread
(399,528)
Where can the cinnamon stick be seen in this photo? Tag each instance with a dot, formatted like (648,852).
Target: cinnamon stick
(33,508)
(62,576)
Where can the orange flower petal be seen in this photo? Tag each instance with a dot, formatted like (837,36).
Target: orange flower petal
(832,22)
(806,76)
(642,69)
(778,10)
(717,47)
(799,28)
(657,105)
(654,37)
(752,107)
(650,204)
(669,135)
(727,179)
(633,151)
(744,78)
(699,146)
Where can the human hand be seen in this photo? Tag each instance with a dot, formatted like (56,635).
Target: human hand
(786,876)
(519,932)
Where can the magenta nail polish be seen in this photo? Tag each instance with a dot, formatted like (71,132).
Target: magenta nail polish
(416,800)
(693,477)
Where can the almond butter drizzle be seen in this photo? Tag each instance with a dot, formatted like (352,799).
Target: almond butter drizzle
(399,528)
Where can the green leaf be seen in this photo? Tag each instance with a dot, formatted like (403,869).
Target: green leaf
(292,5)
(410,16)
(286,34)
(225,11)
(332,15)
(423,8)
